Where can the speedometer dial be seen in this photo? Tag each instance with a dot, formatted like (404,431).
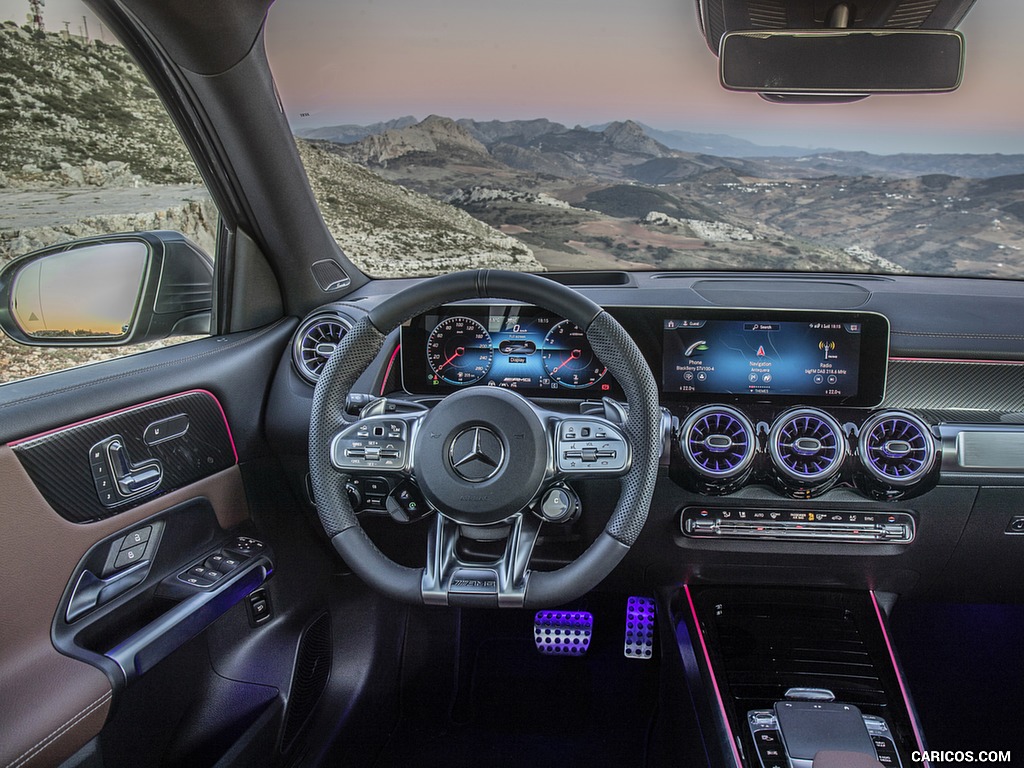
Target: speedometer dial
(569,359)
(459,350)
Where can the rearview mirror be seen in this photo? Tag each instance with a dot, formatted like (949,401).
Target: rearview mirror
(108,291)
(842,62)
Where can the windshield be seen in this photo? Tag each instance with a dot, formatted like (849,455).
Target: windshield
(588,134)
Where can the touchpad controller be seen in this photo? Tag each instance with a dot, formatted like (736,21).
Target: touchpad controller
(810,727)
(791,734)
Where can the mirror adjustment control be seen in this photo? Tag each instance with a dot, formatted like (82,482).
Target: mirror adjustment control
(244,547)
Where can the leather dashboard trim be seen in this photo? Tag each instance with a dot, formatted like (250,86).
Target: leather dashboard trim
(52,704)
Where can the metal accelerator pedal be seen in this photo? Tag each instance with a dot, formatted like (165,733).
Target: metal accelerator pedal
(639,643)
(563,633)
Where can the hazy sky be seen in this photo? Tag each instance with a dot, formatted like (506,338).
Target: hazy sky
(592,61)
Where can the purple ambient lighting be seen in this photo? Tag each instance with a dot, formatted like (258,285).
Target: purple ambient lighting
(563,633)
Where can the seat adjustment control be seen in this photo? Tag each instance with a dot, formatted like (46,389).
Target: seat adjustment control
(116,477)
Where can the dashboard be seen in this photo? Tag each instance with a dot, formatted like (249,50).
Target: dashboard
(850,431)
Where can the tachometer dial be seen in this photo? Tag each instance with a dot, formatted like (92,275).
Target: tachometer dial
(569,359)
(460,350)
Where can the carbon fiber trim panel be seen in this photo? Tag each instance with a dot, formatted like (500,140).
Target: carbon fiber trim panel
(925,385)
(58,461)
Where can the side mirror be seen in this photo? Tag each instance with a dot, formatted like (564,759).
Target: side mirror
(108,291)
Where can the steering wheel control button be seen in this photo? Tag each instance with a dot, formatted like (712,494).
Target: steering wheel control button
(130,556)
(559,505)
(379,442)
(166,429)
(591,446)
(476,454)
(563,633)
(406,504)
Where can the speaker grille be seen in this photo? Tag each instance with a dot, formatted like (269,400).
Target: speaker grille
(911,14)
(329,275)
(312,670)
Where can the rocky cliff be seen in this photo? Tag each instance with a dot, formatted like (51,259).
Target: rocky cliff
(86,148)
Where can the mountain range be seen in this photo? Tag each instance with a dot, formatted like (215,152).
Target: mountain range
(543,145)
(631,200)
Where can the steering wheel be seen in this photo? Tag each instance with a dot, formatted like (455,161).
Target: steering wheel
(484,456)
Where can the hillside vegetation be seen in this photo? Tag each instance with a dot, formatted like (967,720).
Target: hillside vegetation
(87,148)
(82,116)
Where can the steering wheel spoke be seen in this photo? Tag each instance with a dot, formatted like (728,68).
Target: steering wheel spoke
(449,580)
(588,446)
(383,444)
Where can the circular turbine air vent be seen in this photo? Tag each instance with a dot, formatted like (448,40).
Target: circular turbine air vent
(315,342)
(717,442)
(807,445)
(896,448)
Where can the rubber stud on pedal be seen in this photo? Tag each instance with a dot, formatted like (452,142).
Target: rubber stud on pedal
(563,633)
(639,642)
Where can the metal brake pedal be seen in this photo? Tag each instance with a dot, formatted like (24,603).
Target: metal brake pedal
(563,633)
(639,641)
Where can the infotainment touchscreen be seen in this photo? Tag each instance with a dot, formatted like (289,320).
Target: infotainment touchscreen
(810,357)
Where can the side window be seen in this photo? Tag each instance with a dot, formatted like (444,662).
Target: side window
(87,151)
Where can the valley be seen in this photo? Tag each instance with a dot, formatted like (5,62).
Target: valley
(616,198)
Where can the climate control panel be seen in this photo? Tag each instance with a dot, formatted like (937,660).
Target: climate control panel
(729,522)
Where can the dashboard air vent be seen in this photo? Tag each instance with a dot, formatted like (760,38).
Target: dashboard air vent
(807,445)
(717,442)
(896,448)
(315,342)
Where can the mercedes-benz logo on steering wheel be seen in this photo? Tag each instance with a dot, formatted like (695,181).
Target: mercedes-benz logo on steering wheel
(476,454)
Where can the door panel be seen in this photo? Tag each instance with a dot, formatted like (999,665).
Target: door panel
(53,704)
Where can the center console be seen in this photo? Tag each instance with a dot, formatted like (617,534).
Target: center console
(792,675)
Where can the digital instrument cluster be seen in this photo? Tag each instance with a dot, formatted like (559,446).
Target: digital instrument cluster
(528,349)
